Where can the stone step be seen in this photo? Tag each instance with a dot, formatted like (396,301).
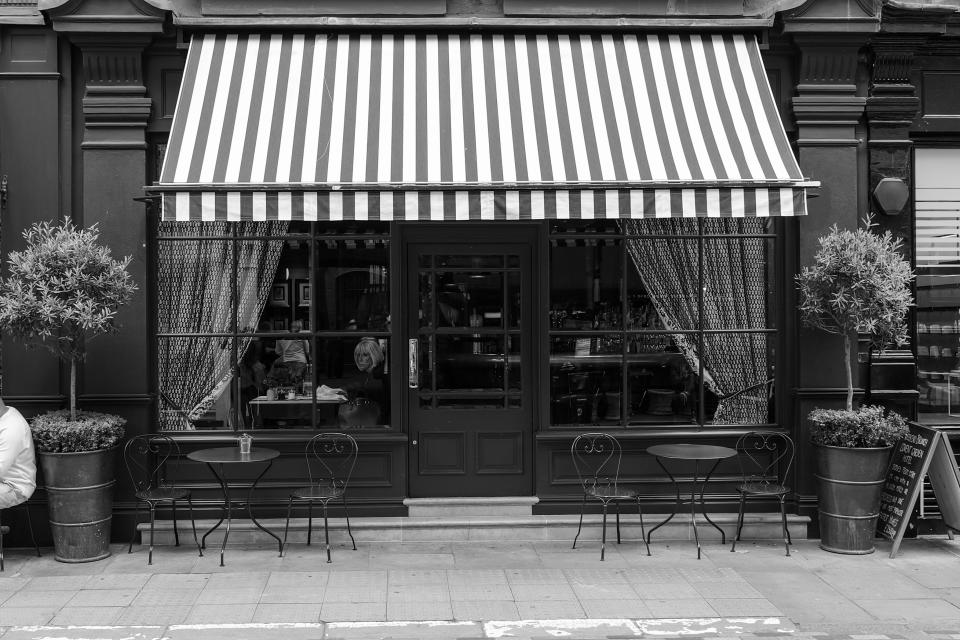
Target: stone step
(509,506)
(757,526)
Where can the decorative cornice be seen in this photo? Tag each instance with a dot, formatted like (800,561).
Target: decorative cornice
(107,16)
(833,16)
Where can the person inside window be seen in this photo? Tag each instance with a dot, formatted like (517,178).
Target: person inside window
(368,380)
(294,353)
(18,466)
(365,388)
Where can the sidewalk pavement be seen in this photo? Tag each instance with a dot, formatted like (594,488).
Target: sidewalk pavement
(507,589)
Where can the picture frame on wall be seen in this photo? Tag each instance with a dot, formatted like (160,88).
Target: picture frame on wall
(303,293)
(279,324)
(280,295)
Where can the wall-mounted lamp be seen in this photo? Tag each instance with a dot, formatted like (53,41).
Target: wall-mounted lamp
(891,195)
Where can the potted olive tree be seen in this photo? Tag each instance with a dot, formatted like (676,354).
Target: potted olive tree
(62,290)
(859,284)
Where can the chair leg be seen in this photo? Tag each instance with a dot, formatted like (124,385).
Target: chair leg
(286,527)
(309,521)
(603,538)
(743,499)
(1,540)
(136,521)
(193,525)
(786,531)
(176,533)
(33,538)
(617,505)
(326,530)
(153,515)
(583,504)
(347,515)
(643,534)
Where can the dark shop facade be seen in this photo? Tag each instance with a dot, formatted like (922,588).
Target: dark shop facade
(499,223)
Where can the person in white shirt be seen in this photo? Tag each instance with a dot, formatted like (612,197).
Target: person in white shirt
(18,466)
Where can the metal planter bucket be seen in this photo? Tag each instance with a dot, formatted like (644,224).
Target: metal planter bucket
(80,495)
(849,484)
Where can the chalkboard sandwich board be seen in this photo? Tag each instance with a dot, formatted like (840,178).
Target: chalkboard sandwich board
(923,451)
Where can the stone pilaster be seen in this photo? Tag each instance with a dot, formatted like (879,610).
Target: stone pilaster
(116,111)
(828,108)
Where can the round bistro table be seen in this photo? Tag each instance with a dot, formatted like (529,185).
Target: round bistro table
(215,459)
(696,453)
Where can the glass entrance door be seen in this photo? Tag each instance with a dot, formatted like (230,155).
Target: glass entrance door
(469,366)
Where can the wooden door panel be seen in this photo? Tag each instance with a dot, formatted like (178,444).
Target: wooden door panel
(442,453)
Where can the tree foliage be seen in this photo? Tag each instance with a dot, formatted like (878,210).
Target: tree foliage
(62,290)
(859,282)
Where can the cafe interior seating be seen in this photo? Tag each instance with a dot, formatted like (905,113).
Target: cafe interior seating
(597,458)
(765,457)
(330,459)
(151,461)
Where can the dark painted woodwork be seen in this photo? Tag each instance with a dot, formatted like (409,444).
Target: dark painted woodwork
(828,109)
(478,451)
(891,109)
(34,140)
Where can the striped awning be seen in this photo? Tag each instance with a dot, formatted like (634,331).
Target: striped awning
(476,127)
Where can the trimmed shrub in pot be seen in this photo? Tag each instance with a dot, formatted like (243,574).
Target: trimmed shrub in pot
(859,284)
(63,290)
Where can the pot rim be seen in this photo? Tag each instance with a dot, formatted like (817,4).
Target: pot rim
(76,453)
(833,446)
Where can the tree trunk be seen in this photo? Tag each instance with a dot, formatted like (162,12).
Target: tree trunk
(73,389)
(847,356)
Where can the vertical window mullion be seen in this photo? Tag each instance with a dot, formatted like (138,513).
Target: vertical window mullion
(234,303)
(701,343)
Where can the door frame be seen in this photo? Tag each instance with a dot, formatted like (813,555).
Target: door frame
(533,233)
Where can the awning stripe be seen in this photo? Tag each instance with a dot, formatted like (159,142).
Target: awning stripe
(454,110)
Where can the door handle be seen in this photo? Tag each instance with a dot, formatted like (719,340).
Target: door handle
(413,371)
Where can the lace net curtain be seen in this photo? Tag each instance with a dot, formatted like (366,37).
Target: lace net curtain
(735,365)
(194,281)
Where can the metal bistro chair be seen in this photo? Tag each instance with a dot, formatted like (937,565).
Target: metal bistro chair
(146,457)
(4,529)
(765,457)
(596,457)
(333,456)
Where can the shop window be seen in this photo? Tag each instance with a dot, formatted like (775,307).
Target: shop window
(661,322)
(937,250)
(273,325)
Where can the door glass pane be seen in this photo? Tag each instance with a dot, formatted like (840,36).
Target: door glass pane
(426,300)
(470,261)
(514,364)
(472,402)
(470,299)
(470,362)
(514,296)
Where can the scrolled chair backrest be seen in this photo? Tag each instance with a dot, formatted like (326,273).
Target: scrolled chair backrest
(766,457)
(146,457)
(596,458)
(331,458)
